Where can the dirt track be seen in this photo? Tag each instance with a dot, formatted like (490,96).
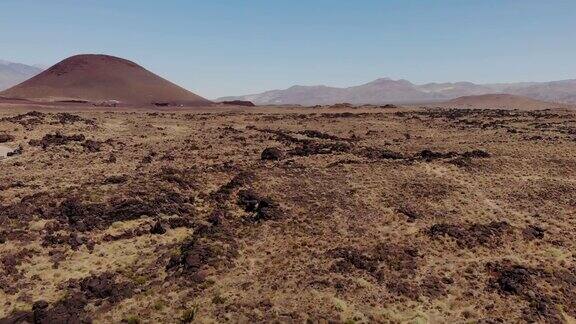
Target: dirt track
(358,215)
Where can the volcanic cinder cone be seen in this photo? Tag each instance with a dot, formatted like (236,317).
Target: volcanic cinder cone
(102,78)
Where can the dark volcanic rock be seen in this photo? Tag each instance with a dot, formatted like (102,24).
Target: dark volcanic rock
(312,148)
(72,308)
(17,151)
(349,258)
(239,103)
(183,178)
(158,228)
(211,245)
(224,192)
(111,159)
(5,138)
(92,146)
(429,155)
(105,286)
(72,239)
(476,154)
(69,310)
(116,179)
(271,153)
(27,120)
(67,118)
(56,140)
(515,280)
(262,208)
(533,284)
(533,232)
(86,216)
(321,135)
(490,234)
(378,153)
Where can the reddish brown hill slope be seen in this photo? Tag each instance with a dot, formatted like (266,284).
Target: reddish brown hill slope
(98,78)
(502,101)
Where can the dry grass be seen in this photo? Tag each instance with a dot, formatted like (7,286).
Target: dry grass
(336,233)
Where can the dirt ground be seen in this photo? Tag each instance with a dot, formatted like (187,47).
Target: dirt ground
(372,214)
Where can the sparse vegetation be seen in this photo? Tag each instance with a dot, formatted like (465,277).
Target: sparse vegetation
(159,305)
(356,214)
(189,315)
(131,320)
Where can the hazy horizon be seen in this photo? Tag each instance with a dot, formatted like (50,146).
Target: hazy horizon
(223,48)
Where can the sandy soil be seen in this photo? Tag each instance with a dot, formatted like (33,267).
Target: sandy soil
(288,214)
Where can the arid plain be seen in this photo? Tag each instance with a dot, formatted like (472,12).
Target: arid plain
(344,214)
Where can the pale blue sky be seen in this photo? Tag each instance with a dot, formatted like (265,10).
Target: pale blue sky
(219,47)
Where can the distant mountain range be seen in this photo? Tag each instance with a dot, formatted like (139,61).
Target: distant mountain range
(386,90)
(380,91)
(13,73)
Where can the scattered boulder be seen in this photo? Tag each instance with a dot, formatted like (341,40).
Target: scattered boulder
(5,138)
(379,154)
(68,310)
(17,151)
(183,178)
(225,191)
(318,134)
(72,308)
(388,263)
(27,120)
(313,148)
(533,232)
(510,279)
(410,211)
(147,159)
(116,179)
(86,216)
(158,228)
(57,139)
(429,155)
(476,154)
(72,239)
(67,118)
(514,280)
(459,159)
(104,286)
(348,258)
(473,235)
(272,153)
(111,159)
(92,146)
(262,208)
(211,245)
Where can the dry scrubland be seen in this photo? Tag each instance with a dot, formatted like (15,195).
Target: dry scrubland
(354,215)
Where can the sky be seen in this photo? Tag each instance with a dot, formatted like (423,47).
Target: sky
(217,48)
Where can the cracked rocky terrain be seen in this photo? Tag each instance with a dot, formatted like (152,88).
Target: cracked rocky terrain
(342,214)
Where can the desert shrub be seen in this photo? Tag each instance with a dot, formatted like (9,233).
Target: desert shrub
(131,320)
(189,315)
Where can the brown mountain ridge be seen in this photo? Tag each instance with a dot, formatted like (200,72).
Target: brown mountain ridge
(386,90)
(502,101)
